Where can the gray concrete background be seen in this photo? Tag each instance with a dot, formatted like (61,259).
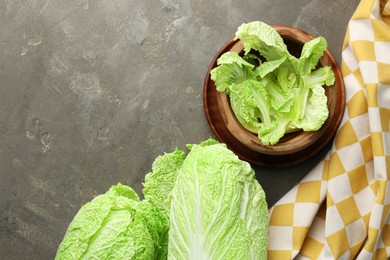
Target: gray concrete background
(92,91)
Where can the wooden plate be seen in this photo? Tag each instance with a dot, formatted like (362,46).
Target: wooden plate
(294,148)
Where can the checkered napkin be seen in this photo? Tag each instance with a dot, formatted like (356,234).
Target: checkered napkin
(341,209)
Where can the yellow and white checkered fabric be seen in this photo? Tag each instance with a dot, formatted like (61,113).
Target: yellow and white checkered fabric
(341,209)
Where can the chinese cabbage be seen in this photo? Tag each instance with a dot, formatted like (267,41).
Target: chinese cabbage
(218,209)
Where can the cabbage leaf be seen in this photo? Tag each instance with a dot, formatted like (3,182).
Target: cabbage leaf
(232,69)
(316,110)
(263,38)
(250,102)
(159,183)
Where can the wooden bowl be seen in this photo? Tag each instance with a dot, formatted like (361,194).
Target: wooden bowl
(294,147)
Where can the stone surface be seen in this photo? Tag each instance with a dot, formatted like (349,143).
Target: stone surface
(92,91)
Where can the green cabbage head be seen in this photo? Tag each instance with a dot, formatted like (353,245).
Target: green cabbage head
(218,209)
(114,225)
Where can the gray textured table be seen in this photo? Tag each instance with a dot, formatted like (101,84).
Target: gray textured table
(92,91)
